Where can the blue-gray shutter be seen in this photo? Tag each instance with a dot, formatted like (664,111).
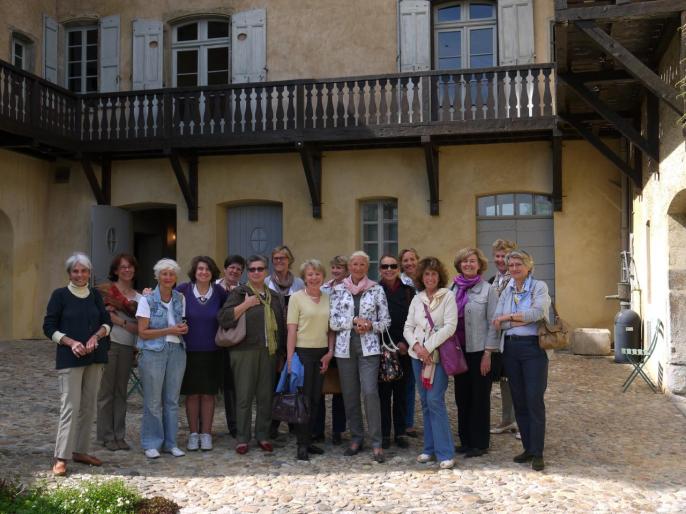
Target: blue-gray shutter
(50,29)
(515,32)
(109,54)
(147,54)
(415,35)
(249,46)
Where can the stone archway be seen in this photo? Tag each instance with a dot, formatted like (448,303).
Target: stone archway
(676,361)
(6,271)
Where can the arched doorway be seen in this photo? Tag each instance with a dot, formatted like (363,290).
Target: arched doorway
(6,249)
(676,360)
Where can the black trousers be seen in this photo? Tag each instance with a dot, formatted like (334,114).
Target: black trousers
(338,421)
(393,400)
(229,393)
(473,400)
(312,389)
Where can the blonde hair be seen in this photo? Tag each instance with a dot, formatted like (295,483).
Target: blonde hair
(287,251)
(314,264)
(466,252)
(503,245)
(523,256)
(359,253)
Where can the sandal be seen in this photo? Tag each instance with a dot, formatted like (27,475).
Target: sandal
(242,448)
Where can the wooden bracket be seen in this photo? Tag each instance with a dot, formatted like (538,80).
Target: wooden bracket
(102,190)
(188,185)
(609,154)
(431,157)
(633,65)
(557,171)
(311,157)
(622,125)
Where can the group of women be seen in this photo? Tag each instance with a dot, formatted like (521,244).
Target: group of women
(344,323)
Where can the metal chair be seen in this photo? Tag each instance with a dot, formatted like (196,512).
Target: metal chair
(638,357)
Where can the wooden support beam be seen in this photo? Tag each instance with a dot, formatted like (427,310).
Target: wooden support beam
(431,157)
(609,154)
(635,66)
(102,193)
(557,171)
(311,158)
(188,185)
(628,11)
(608,114)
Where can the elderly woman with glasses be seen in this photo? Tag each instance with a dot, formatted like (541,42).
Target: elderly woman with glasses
(522,304)
(281,280)
(359,315)
(253,361)
(77,321)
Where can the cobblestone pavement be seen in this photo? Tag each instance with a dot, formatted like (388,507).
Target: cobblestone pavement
(605,452)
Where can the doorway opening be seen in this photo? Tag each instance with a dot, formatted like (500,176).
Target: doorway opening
(154,238)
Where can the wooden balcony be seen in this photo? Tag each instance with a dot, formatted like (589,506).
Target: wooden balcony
(447,106)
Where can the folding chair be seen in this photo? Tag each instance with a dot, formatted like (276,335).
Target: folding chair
(638,357)
(134,380)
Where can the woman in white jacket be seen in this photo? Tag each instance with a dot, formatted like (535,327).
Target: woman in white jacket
(432,319)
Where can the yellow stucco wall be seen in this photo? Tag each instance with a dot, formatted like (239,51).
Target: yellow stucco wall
(26,18)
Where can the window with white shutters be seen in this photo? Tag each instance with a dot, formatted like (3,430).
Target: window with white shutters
(22,52)
(200,53)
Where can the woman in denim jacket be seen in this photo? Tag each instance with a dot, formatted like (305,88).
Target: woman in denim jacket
(358,315)
(162,360)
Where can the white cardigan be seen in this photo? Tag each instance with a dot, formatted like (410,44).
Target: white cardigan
(443,311)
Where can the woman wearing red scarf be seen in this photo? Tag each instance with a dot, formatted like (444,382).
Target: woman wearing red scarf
(476,303)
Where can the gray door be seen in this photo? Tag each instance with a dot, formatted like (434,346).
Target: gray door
(111,233)
(534,235)
(254,229)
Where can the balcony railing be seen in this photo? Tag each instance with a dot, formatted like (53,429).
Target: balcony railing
(279,111)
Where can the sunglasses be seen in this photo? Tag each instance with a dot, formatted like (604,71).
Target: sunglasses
(257,269)
(388,266)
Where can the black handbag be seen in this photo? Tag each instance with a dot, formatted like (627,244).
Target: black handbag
(389,365)
(291,407)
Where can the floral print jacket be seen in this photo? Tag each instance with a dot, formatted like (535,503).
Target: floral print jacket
(373,306)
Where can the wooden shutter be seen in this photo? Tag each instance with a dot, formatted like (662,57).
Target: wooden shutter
(50,28)
(249,46)
(109,54)
(147,54)
(516,32)
(415,35)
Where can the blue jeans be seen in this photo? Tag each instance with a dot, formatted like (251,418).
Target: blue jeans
(161,374)
(526,366)
(438,439)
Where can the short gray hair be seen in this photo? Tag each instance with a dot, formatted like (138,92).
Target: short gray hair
(164,264)
(78,258)
(359,253)
(523,256)
(314,264)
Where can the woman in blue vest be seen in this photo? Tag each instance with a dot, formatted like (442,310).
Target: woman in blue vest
(162,361)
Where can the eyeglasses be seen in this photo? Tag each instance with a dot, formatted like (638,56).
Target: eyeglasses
(388,266)
(279,258)
(257,269)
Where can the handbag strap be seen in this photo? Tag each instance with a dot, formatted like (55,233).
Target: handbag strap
(390,346)
(428,316)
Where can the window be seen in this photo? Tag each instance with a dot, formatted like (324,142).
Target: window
(379,231)
(200,53)
(22,52)
(464,35)
(515,204)
(82,59)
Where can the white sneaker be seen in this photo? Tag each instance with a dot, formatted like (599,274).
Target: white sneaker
(152,453)
(447,464)
(176,451)
(193,442)
(518,435)
(508,427)
(423,458)
(205,442)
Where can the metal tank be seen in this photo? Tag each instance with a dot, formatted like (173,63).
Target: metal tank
(627,333)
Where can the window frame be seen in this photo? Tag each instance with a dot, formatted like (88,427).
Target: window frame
(202,44)
(465,25)
(27,47)
(380,223)
(84,29)
(517,214)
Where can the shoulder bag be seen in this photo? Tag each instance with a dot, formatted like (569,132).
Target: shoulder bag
(228,337)
(389,365)
(555,335)
(452,357)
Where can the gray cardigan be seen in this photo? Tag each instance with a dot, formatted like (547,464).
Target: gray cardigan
(480,334)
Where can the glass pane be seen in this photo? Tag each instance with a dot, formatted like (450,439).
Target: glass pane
(75,69)
(217,29)
(486,206)
(543,205)
(506,205)
(75,53)
(187,80)
(390,231)
(218,78)
(92,37)
(449,44)
(372,249)
(452,63)
(390,248)
(91,68)
(217,59)
(187,62)
(370,211)
(18,61)
(91,84)
(75,38)
(447,14)
(480,11)
(481,48)
(390,210)
(525,206)
(75,85)
(18,50)
(187,32)
(92,52)
(370,232)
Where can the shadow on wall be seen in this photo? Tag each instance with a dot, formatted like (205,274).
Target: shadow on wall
(6,249)
(676,360)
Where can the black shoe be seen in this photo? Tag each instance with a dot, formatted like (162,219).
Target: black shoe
(412,433)
(378,457)
(351,452)
(524,457)
(402,442)
(336,438)
(386,443)
(537,463)
(462,449)
(318,438)
(475,452)
(302,453)
(314,450)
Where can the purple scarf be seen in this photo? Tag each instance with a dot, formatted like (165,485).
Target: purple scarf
(463,285)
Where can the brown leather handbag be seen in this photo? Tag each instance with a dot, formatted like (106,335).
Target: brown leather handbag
(555,335)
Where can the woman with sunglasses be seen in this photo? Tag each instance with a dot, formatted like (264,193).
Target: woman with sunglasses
(253,361)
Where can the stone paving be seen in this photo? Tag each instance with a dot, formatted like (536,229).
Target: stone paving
(605,452)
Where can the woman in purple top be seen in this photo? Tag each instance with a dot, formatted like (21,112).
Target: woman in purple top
(202,377)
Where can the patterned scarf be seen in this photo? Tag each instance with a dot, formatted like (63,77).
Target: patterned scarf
(500,281)
(283,285)
(270,326)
